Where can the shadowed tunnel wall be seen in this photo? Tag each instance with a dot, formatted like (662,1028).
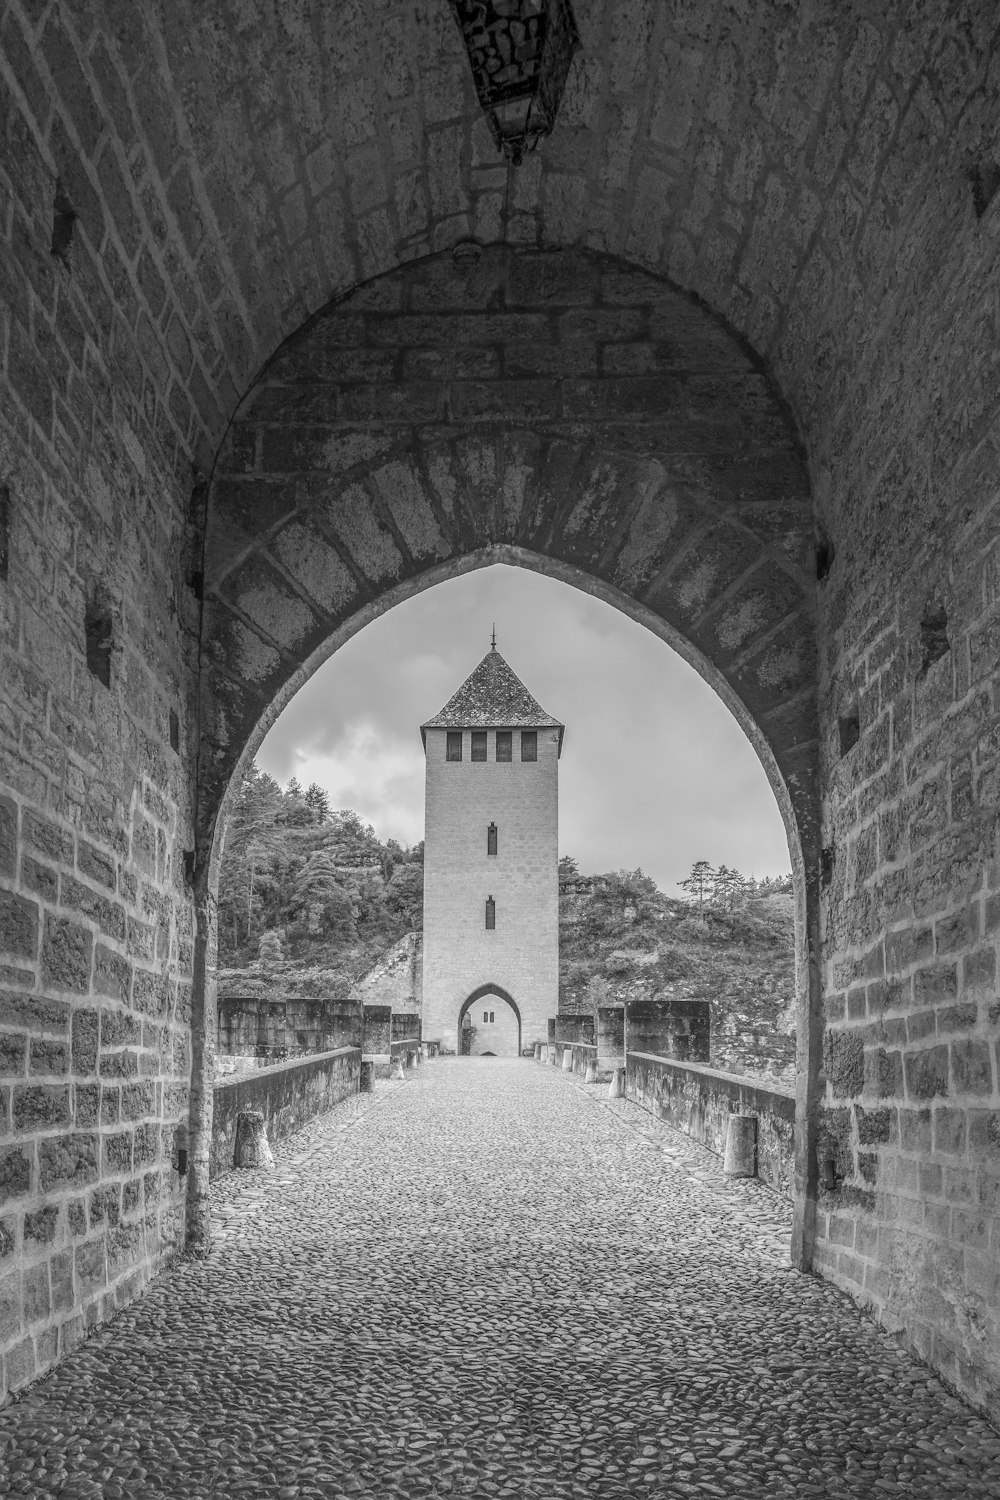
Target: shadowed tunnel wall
(823,178)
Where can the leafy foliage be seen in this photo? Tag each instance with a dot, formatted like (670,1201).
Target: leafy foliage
(305,886)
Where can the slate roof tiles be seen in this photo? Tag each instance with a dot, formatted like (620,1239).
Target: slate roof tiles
(492,697)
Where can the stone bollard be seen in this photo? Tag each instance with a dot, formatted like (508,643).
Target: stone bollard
(553,1059)
(410,1061)
(397,1074)
(367,1085)
(616,1089)
(567,1061)
(538,1051)
(252,1149)
(591,1073)
(425,1052)
(740,1159)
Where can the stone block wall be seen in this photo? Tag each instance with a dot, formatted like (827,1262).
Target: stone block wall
(670,1028)
(910,1144)
(397,978)
(576,1028)
(97,719)
(251,1025)
(909,1152)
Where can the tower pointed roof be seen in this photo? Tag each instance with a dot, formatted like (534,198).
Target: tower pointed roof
(492,697)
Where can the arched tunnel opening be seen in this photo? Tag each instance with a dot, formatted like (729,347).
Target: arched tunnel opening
(296,324)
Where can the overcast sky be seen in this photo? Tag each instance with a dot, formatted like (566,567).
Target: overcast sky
(655,771)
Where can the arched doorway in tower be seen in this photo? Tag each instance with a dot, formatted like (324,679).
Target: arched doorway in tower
(489,1024)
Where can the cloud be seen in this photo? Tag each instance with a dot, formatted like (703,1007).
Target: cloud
(655,770)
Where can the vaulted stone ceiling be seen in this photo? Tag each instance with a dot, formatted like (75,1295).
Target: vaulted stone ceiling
(269,157)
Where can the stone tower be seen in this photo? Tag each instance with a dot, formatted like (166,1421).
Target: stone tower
(491,879)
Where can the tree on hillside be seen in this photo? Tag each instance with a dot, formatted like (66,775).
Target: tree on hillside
(367,890)
(404,894)
(316,799)
(568,865)
(298,813)
(252,845)
(319,902)
(700,884)
(728,888)
(623,888)
(271,949)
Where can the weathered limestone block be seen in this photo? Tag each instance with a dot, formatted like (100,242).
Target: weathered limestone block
(567,1060)
(616,1088)
(252,1150)
(740,1158)
(591,1075)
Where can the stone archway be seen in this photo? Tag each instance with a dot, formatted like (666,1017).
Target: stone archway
(557,409)
(493,1029)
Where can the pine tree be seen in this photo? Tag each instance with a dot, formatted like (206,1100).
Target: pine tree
(317,799)
(728,887)
(700,883)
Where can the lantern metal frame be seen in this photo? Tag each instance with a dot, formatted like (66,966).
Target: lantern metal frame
(520,53)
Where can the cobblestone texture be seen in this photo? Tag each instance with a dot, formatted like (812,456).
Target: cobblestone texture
(489,1281)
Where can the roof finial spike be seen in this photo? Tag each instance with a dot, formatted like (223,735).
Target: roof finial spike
(493,642)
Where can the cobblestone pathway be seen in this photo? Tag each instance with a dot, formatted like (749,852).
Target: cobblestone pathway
(488,1281)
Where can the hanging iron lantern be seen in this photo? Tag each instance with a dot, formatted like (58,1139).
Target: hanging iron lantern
(520,52)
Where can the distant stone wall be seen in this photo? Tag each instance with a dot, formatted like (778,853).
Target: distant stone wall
(251,1025)
(699,1100)
(288,1095)
(396,979)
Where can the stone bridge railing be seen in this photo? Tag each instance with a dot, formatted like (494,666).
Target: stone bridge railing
(288,1095)
(702,1102)
(755,1121)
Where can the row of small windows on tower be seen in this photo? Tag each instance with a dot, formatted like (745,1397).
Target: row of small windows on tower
(504,744)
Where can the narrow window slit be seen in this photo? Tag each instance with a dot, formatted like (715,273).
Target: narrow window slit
(934,641)
(175,730)
(850,730)
(830,1178)
(491,914)
(64,217)
(491,839)
(99,633)
(824,558)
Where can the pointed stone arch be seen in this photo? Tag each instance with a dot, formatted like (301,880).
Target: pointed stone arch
(481,993)
(558,409)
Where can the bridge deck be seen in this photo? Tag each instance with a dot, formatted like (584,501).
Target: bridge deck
(489,1281)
